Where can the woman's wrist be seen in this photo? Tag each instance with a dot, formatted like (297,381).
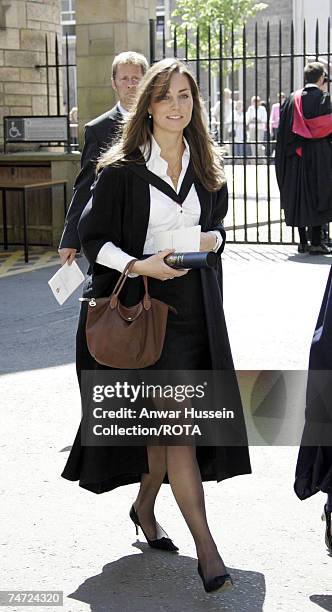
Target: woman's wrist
(214,241)
(137,267)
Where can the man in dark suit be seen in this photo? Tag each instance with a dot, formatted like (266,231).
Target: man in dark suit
(128,68)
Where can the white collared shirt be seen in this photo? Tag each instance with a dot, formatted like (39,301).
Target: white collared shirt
(165,213)
(122,110)
(253,111)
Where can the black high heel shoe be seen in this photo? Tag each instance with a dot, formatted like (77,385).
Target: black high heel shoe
(161,543)
(326,516)
(216,584)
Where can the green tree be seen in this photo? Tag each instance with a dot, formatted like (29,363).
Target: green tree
(208,15)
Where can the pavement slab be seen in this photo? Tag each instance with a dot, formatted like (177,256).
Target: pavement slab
(58,536)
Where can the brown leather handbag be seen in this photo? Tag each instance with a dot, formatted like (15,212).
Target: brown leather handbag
(122,337)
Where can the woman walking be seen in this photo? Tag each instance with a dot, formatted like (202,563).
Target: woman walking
(163,175)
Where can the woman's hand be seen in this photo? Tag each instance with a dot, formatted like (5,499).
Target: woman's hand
(155,267)
(208,241)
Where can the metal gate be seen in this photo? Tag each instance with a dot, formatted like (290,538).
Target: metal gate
(61,85)
(269,64)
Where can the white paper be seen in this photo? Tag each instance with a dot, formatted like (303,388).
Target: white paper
(64,282)
(186,239)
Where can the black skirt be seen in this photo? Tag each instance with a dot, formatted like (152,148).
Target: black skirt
(186,344)
(103,468)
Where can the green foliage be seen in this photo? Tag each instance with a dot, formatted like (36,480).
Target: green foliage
(208,15)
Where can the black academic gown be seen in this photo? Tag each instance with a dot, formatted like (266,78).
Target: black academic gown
(305,182)
(100,134)
(314,464)
(119,212)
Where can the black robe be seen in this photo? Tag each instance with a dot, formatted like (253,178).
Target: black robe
(100,134)
(119,212)
(305,181)
(314,464)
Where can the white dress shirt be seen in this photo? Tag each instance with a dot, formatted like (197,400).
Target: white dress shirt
(261,114)
(165,213)
(122,110)
(238,127)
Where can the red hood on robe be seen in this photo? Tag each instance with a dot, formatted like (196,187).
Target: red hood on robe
(318,127)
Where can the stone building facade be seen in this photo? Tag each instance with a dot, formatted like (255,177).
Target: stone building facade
(277,11)
(296,12)
(103,29)
(23,27)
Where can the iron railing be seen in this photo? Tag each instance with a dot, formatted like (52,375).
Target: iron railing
(65,88)
(269,63)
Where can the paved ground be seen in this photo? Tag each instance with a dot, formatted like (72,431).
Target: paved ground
(254,199)
(12,261)
(58,536)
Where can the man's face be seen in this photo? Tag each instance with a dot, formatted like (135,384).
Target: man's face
(126,82)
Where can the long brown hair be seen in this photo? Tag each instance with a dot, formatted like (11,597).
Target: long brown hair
(138,129)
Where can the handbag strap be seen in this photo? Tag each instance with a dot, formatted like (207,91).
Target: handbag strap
(146,299)
(121,281)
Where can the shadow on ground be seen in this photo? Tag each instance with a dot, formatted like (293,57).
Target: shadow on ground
(323,601)
(155,581)
(305,258)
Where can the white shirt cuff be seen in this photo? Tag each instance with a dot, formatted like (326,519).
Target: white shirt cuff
(113,257)
(219,240)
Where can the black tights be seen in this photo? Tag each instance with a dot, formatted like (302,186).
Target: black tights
(315,235)
(184,477)
(329,502)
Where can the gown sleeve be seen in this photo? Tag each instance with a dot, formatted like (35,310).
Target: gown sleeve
(102,219)
(220,207)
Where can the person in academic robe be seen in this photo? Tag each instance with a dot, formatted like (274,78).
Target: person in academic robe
(128,69)
(304,159)
(164,174)
(314,463)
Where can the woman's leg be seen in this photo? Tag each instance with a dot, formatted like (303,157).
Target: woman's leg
(186,483)
(327,516)
(303,235)
(316,235)
(150,485)
(329,502)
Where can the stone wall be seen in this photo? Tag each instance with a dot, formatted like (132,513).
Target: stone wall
(22,49)
(104,28)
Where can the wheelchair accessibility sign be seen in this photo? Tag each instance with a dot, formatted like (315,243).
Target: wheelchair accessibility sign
(46,128)
(15,129)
